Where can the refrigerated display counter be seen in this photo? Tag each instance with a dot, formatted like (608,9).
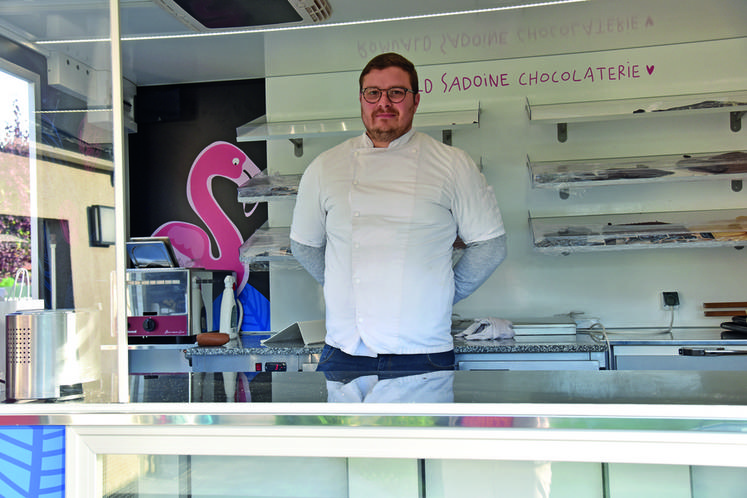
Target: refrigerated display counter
(564,430)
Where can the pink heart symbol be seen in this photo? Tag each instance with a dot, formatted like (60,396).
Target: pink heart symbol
(650,69)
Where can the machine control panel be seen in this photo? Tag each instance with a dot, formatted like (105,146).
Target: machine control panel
(271,366)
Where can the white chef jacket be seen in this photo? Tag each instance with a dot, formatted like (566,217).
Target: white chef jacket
(389,217)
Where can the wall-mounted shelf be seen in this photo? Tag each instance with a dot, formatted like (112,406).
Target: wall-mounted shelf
(266,188)
(604,110)
(263,187)
(643,169)
(571,234)
(267,244)
(295,131)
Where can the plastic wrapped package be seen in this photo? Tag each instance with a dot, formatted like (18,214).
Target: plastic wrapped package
(579,173)
(264,186)
(268,244)
(554,174)
(716,164)
(563,235)
(715,103)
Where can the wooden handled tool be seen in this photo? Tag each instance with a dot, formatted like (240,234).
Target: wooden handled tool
(735,308)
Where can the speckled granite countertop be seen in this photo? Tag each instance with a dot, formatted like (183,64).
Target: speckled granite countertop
(579,343)
(582,342)
(235,350)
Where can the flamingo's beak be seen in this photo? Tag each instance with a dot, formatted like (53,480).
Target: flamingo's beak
(244,177)
(241,180)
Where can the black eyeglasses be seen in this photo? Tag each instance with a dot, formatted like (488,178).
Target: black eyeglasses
(396,94)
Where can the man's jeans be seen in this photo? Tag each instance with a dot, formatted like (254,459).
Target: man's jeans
(340,363)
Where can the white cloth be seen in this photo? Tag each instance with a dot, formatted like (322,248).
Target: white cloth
(484,329)
(389,217)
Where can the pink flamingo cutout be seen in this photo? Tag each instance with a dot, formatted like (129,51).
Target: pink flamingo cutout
(191,244)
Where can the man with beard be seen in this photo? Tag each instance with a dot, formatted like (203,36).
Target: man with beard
(375,221)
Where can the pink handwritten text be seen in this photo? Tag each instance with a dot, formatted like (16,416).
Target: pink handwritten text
(592,27)
(476,40)
(590,74)
(461,83)
(460,40)
(453,83)
(404,45)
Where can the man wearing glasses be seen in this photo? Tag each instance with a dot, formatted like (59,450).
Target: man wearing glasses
(375,221)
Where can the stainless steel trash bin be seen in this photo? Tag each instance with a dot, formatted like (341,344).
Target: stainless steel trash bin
(41,353)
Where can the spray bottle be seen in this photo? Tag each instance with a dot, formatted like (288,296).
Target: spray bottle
(229,313)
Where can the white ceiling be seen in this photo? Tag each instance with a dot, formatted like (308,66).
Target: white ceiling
(60,25)
(156,51)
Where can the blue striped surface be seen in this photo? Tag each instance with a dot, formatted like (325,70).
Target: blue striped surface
(32,461)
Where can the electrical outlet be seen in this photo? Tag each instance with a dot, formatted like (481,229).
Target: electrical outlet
(671,299)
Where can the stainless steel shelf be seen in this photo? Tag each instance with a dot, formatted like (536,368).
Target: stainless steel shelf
(262,188)
(642,169)
(604,232)
(260,129)
(603,110)
(267,244)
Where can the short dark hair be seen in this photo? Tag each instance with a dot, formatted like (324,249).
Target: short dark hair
(389,59)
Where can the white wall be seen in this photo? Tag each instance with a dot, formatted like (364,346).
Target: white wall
(678,48)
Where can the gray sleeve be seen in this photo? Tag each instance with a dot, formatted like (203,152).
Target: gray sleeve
(478,262)
(311,258)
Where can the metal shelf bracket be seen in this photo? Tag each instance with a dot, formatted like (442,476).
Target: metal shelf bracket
(735,120)
(297,146)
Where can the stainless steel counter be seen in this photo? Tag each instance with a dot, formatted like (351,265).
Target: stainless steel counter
(473,392)
(501,387)
(675,418)
(535,387)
